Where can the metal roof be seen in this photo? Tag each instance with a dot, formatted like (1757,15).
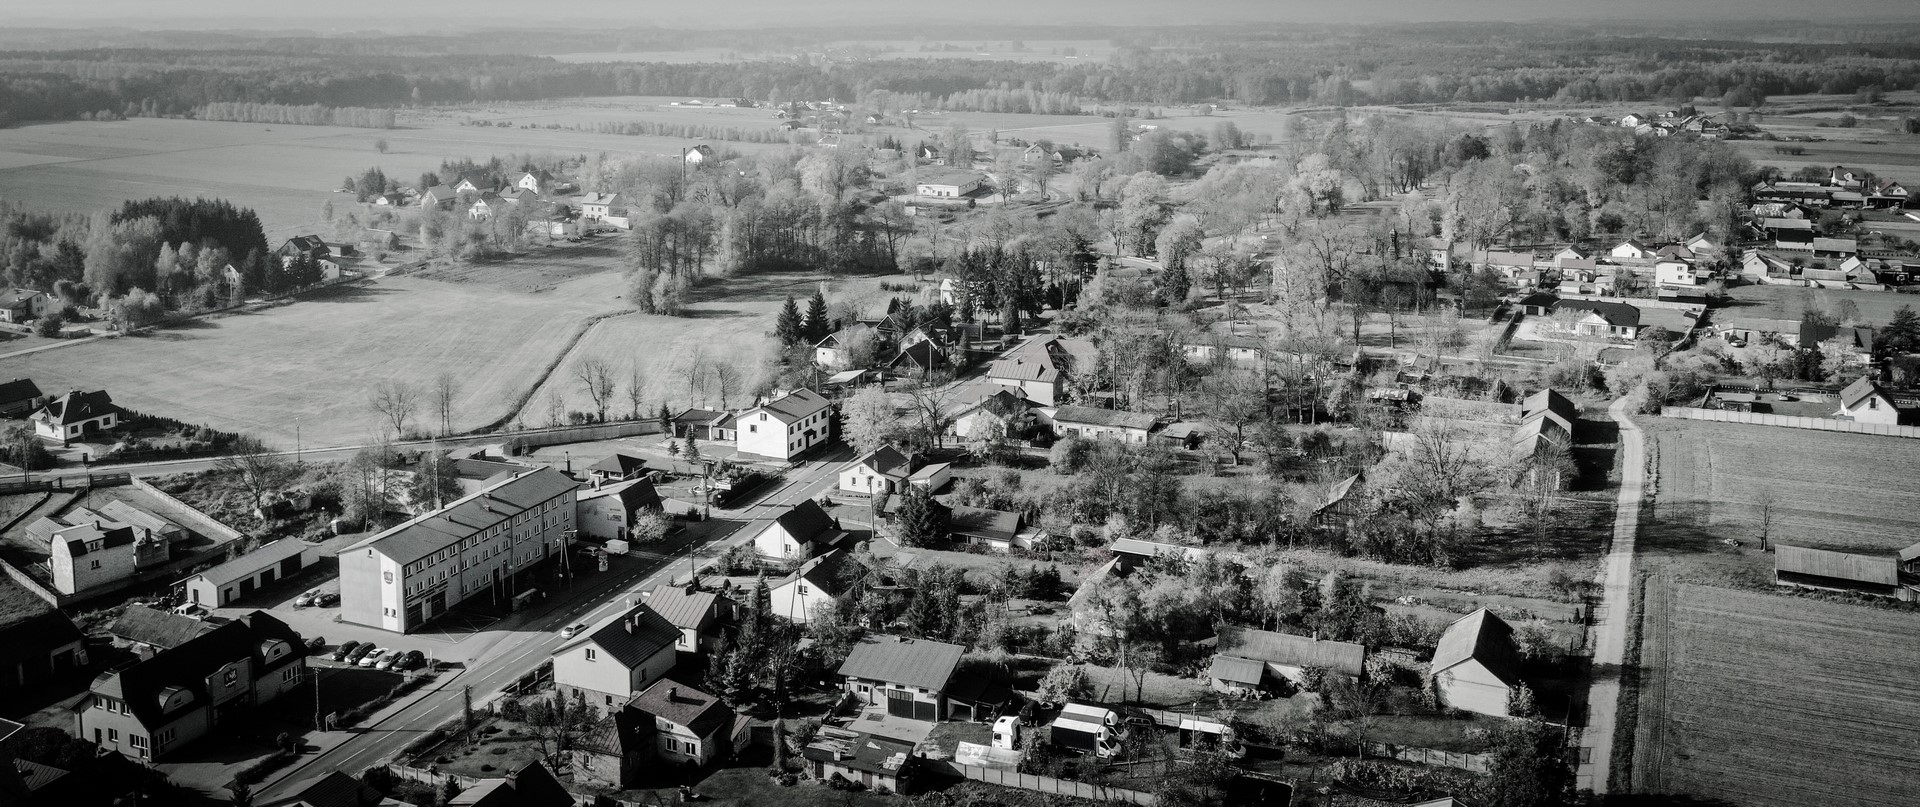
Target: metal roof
(1292,650)
(1882,570)
(902,660)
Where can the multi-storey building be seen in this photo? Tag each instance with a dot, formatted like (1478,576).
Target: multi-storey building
(485,544)
(152,706)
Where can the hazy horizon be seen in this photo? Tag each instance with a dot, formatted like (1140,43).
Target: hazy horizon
(361,15)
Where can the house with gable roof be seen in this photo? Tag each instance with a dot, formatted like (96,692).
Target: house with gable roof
(1102,424)
(785,427)
(1476,666)
(1599,318)
(814,584)
(803,531)
(538,180)
(703,616)
(19,398)
(607,664)
(18,306)
(610,511)
(1866,401)
(1247,659)
(151,707)
(908,676)
(76,415)
(1631,250)
(38,643)
(883,470)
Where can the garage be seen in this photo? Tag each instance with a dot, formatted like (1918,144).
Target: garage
(900,704)
(248,574)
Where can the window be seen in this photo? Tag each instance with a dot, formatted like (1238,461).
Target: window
(124,708)
(99,703)
(803,589)
(592,655)
(671,744)
(137,741)
(288,674)
(96,564)
(164,737)
(752,429)
(113,735)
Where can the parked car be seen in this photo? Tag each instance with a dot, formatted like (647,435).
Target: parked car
(373,658)
(389,661)
(327,600)
(413,660)
(571,631)
(345,649)
(306,599)
(359,653)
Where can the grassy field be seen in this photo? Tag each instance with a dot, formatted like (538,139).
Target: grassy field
(1787,302)
(1842,491)
(1766,700)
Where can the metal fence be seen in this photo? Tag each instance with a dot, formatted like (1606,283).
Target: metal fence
(1791,422)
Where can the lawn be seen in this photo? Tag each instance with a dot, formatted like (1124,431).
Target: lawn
(1787,302)
(1758,699)
(312,364)
(1831,490)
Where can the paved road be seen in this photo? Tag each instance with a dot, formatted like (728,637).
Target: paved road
(1616,598)
(501,655)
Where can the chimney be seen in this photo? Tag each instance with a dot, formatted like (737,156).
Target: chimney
(672,692)
(630,621)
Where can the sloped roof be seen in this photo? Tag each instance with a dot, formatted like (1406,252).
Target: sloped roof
(1616,314)
(125,513)
(823,572)
(885,461)
(30,637)
(682,608)
(697,417)
(17,390)
(1480,636)
(1103,417)
(268,556)
(161,629)
(1290,649)
(429,533)
(620,464)
(923,355)
(859,751)
(805,521)
(1136,546)
(78,407)
(795,406)
(1340,491)
(1023,368)
(1237,670)
(1859,390)
(1881,570)
(1813,333)
(1549,400)
(188,666)
(331,789)
(597,198)
(1518,260)
(977,522)
(902,660)
(630,637)
(682,705)
(949,177)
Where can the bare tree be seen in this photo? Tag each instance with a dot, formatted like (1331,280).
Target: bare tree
(556,408)
(596,377)
(1764,508)
(634,391)
(726,381)
(260,470)
(695,368)
(394,402)
(932,413)
(441,395)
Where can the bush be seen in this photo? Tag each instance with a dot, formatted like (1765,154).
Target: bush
(512,709)
(255,773)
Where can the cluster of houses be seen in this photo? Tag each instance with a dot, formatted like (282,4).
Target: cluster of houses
(1577,270)
(1664,124)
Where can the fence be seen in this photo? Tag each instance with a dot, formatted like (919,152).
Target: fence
(188,517)
(1791,422)
(1464,409)
(1048,784)
(1476,763)
(75,482)
(535,438)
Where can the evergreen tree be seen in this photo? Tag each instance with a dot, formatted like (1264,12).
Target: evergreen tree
(692,451)
(1175,283)
(789,327)
(919,520)
(1903,331)
(666,419)
(817,326)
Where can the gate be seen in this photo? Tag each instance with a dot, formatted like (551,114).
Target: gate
(899,703)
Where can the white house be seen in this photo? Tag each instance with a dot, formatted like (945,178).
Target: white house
(608,511)
(1675,273)
(803,531)
(238,578)
(948,184)
(690,727)
(1246,658)
(1102,424)
(1867,402)
(786,426)
(1476,666)
(606,665)
(76,416)
(798,596)
(17,306)
(699,154)
(538,181)
(835,351)
(1631,250)
(597,206)
(1596,318)
(880,471)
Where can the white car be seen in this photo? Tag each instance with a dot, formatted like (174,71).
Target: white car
(571,631)
(372,658)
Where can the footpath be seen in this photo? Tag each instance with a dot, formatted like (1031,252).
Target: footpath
(1616,605)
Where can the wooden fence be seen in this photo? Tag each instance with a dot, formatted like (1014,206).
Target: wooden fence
(74,482)
(1046,784)
(1791,422)
(1476,763)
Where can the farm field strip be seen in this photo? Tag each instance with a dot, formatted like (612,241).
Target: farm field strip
(1774,700)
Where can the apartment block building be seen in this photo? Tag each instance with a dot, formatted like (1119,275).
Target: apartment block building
(486,544)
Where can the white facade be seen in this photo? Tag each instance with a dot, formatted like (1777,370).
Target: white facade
(1674,273)
(786,427)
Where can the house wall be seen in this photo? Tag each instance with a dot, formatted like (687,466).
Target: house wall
(875,693)
(972,424)
(823,770)
(603,682)
(1873,409)
(831,358)
(767,436)
(676,743)
(1093,432)
(775,542)
(1043,393)
(861,478)
(114,731)
(1470,686)
(604,517)
(362,598)
(796,601)
(97,568)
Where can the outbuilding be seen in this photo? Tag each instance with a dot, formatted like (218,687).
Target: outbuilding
(236,579)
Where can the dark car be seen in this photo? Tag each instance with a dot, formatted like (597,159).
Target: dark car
(359,653)
(413,660)
(327,600)
(344,650)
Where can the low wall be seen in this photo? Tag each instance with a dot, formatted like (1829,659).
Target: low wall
(1045,784)
(186,516)
(1476,763)
(535,438)
(1788,421)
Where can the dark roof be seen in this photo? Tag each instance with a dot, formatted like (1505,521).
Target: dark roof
(162,629)
(330,789)
(1862,387)
(17,390)
(923,355)
(1291,650)
(76,537)
(1539,299)
(697,417)
(1233,669)
(1616,314)
(993,525)
(886,461)
(1023,368)
(921,663)
(1548,400)
(304,243)
(860,752)
(265,557)
(1813,333)
(805,521)
(631,637)
(796,405)
(1881,570)
(32,638)
(77,407)
(634,494)
(470,468)
(1103,417)
(683,705)
(621,465)
(1483,637)
(189,665)
(824,572)
(1340,491)
(685,609)
(426,534)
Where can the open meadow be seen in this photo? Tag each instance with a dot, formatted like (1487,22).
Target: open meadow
(1757,699)
(1829,489)
(1790,302)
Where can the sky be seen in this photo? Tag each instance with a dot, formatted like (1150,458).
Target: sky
(385,14)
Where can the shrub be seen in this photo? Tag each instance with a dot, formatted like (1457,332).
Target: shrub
(512,709)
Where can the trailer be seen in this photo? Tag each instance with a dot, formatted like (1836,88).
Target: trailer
(1086,729)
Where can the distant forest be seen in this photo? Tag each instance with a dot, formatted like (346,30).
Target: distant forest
(1335,66)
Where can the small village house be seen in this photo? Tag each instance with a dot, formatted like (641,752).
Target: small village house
(150,631)
(1102,424)
(438,196)
(803,531)
(689,727)
(537,181)
(152,707)
(87,551)
(609,512)
(1601,319)
(1829,570)
(699,154)
(813,585)
(1003,415)
(704,617)
(906,675)
(1632,250)
(239,578)
(1865,401)
(999,530)
(881,471)
(20,306)
(1675,273)
(948,184)
(19,397)
(598,206)
(37,642)
(1248,660)
(616,467)
(785,427)
(607,664)
(837,350)
(1476,666)
(76,416)
(871,760)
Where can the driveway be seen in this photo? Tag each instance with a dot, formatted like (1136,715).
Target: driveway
(1616,598)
